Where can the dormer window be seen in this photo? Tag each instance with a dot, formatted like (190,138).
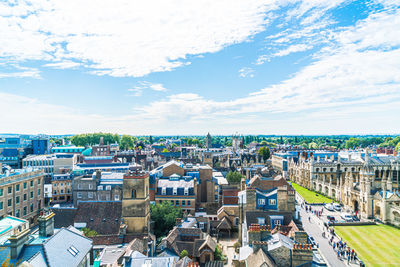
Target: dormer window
(261,221)
(186,192)
(175,191)
(163,191)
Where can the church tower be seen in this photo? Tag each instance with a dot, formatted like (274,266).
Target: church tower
(208,141)
(136,202)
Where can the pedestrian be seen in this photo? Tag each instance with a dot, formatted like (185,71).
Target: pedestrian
(334,245)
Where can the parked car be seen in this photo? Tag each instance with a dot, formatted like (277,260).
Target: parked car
(337,207)
(347,217)
(312,240)
(329,207)
(331,218)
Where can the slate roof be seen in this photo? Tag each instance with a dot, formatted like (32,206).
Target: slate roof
(251,216)
(57,247)
(268,184)
(259,258)
(64,217)
(102,216)
(183,262)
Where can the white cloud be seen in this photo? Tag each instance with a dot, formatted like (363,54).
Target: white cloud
(360,69)
(246,72)
(143,85)
(125,38)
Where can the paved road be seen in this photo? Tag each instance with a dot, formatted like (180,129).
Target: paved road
(313,229)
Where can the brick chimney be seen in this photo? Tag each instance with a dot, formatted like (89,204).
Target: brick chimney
(46,223)
(18,239)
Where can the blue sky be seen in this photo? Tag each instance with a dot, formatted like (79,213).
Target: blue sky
(177,67)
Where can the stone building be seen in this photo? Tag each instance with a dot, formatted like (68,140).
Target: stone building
(21,193)
(136,202)
(367,183)
(100,186)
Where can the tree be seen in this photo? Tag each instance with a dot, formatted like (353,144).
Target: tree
(183,254)
(234,177)
(127,142)
(218,256)
(165,150)
(264,152)
(88,232)
(164,217)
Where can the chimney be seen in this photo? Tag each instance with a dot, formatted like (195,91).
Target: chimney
(18,239)
(101,141)
(46,223)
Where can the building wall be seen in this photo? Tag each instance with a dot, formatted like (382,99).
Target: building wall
(62,191)
(136,202)
(26,195)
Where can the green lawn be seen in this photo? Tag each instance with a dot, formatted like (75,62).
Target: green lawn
(310,196)
(376,245)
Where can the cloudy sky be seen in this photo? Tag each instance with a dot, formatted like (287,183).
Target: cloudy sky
(192,67)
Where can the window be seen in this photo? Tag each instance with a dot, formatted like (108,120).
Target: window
(1,205)
(277,222)
(17,187)
(201,224)
(25,185)
(116,197)
(163,191)
(186,192)
(272,202)
(90,194)
(183,202)
(61,184)
(24,211)
(177,202)
(90,186)
(38,181)
(175,191)
(79,186)
(172,202)
(73,251)
(17,200)
(31,182)
(188,203)
(108,187)
(9,189)
(17,214)
(79,195)
(100,187)
(31,194)
(261,221)
(25,197)
(38,192)
(9,203)
(61,191)
(55,192)
(133,193)
(1,192)
(261,201)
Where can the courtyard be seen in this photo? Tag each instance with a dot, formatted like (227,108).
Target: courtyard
(309,196)
(376,245)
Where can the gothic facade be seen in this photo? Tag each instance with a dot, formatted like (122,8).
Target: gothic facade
(369,185)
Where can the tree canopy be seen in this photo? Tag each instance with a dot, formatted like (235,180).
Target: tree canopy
(264,152)
(164,217)
(234,177)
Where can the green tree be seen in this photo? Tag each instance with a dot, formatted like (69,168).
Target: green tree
(164,217)
(127,142)
(264,152)
(165,150)
(89,232)
(218,256)
(234,177)
(183,254)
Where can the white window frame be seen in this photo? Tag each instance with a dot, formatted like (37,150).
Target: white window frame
(277,222)
(186,191)
(272,202)
(163,191)
(90,186)
(100,188)
(90,194)
(261,221)
(261,201)
(108,187)
(175,191)
(79,195)
(116,197)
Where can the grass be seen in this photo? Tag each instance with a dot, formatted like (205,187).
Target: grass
(376,245)
(311,196)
